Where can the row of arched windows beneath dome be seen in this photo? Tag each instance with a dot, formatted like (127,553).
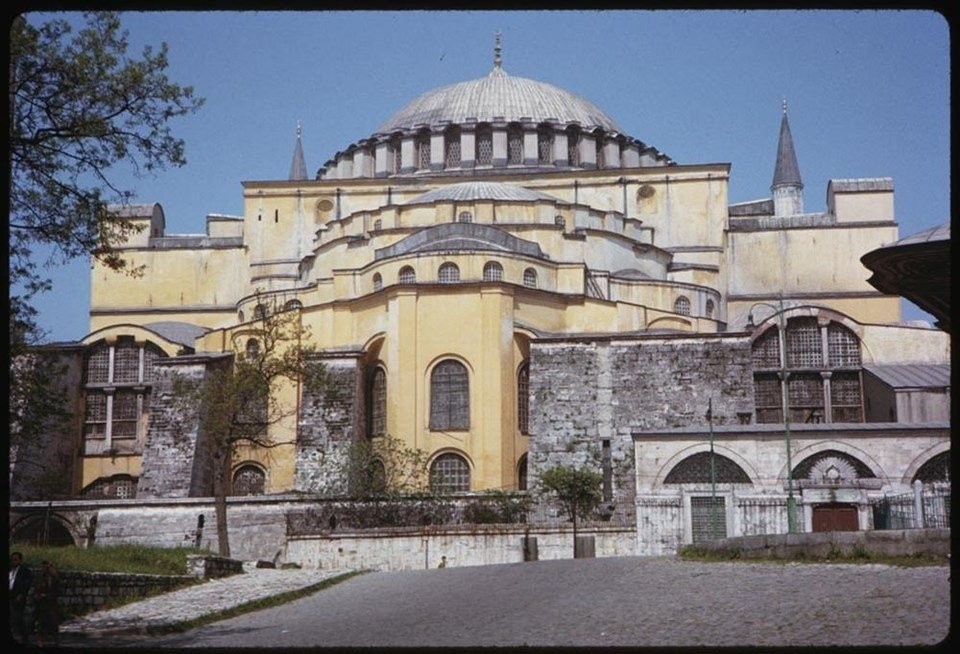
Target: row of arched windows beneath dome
(449,273)
(681,306)
(261,311)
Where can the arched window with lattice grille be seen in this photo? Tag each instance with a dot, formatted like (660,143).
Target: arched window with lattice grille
(449,396)
(449,473)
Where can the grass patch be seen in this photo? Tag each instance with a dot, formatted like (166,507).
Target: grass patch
(858,554)
(126,558)
(255,605)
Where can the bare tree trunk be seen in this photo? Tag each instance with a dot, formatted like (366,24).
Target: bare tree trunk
(573,512)
(221,467)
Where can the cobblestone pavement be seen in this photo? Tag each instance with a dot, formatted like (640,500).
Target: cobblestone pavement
(185,604)
(624,602)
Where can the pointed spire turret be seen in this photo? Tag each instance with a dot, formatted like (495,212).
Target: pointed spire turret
(298,169)
(787,188)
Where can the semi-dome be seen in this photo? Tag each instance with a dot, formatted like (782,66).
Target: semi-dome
(500,97)
(469,191)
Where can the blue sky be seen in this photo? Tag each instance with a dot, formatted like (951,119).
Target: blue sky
(868,96)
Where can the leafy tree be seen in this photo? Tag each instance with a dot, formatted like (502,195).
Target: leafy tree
(79,108)
(242,398)
(384,468)
(577,489)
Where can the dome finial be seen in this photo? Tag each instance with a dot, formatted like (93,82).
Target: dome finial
(497,61)
(784,105)
(299,129)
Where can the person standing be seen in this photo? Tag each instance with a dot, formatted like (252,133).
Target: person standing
(21,579)
(47,605)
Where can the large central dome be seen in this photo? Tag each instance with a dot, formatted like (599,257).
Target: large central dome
(502,97)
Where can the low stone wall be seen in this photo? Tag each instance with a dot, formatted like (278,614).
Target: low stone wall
(893,542)
(82,592)
(420,548)
(212,567)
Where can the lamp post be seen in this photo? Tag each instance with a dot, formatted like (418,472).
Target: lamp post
(791,500)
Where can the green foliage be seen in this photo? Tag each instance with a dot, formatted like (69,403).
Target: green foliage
(497,507)
(385,468)
(577,489)
(80,107)
(131,559)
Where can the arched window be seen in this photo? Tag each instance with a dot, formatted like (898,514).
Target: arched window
(126,361)
(293,305)
(514,144)
(682,306)
(601,155)
(465,217)
(449,473)
(249,480)
(832,466)
(395,155)
(530,278)
(448,273)
(423,150)
(819,388)
(934,470)
(98,364)
(522,473)
(240,316)
(545,145)
(449,396)
(696,469)
(259,312)
(523,398)
(407,275)
(121,487)
(377,281)
(378,402)
(492,272)
(451,142)
(252,349)
(377,225)
(710,308)
(484,155)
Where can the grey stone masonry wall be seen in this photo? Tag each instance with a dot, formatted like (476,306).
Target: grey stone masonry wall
(586,391)
(330,420)
(83,592)
(175,457)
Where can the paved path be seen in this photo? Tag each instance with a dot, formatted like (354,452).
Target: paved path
(629,601)
(186,604)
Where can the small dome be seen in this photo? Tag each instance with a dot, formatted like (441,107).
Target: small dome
(469,191)
(498,96)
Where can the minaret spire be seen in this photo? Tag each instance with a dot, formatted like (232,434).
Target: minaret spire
(298,168)
(787,188)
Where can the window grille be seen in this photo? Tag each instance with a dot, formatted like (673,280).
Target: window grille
(449,473)
(407,275)
(696,469)
(522,473)
(451,158)
(124,489)
(804,348)
(423,151)
(530,278)
(807,468)
(492,272)
(125,415)
(126,362)
(573,148)
(377,281)
(378,401)
(99,488)
(523,398)
(249,480)
(292,305)
(710,308)
(98,364)
(448,273)
(708,518)
(449,396)
(845,399)
(95,422)
(766,350)
(843,346)
(769,402)
(805,394)
(484,146)
(545,146)
(934,470)
(465,217)
(682,306)
(514,145)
